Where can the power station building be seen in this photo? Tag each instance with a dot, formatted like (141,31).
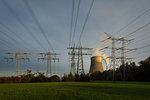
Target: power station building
(96,64)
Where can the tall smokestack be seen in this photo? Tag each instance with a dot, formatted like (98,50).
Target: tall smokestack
(96,64)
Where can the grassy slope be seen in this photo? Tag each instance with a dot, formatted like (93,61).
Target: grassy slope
(76,91)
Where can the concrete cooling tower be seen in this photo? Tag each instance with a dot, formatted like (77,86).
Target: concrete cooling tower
(96,64)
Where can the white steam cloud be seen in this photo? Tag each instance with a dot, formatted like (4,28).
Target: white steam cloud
(98,52)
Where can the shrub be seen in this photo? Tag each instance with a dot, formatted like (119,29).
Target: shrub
(64,78)
(54,78)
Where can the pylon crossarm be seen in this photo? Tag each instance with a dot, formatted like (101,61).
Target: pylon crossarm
(25,59)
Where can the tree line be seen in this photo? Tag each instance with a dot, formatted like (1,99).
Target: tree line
(29,78)
(40,77)
(126,72)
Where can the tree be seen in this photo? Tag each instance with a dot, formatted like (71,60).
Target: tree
(64,78)
(144,70)
(76,77)
(54,78)
(27,78)
(70,77)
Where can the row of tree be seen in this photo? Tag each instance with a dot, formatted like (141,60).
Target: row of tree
(126,72)
(40,77)
(29,78)
(76,77)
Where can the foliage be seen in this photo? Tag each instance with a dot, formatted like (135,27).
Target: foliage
(29,78)
(54,78)
(70,77)
(64,78)
(144,70)
(126,72)
(40,77)
(76,77)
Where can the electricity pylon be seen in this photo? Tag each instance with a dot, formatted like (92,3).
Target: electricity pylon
(47,56)
(113,50)
(18,59)
(73,68)
(123,49)
(80,65)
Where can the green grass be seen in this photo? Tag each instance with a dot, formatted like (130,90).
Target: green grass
(76,91)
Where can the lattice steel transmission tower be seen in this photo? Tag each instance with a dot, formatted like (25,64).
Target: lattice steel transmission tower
(80,64)
(123,49)
(73,64)
(113,57)
(18,59)
(47,56)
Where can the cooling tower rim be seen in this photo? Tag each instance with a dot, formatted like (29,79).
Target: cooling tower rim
(95,56)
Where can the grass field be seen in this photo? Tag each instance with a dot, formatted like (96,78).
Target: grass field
(76,91)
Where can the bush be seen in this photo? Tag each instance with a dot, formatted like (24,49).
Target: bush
(82,77)
(126,72)
(70,77)
(64,78)
(54,78)
(76,77)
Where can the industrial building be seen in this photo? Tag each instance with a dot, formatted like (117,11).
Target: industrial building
(96,64)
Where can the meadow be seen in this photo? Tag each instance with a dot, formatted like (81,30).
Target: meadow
(76,91)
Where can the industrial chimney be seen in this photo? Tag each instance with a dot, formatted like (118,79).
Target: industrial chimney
(96,64)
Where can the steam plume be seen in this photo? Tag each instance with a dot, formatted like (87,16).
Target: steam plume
(98,52)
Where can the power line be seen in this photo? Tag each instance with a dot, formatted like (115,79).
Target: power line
(73,53)
(142,39)
(141,47)
(144,46)
(4,33)
(71,23)
(76,21)
(142,54)
(15,46)
(132,21)
(20,21)
(143,34)
(4,42)
(18,37)
(37,22)
(138,29)
(48,58)
(18,59)
(137,53)
(2,51)
(142,57)
(86,19)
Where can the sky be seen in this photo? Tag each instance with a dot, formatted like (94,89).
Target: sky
(18,29)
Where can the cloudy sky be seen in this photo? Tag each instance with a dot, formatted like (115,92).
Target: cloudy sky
(19,29)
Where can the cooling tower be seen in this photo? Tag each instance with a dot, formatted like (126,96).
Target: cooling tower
(96,64)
